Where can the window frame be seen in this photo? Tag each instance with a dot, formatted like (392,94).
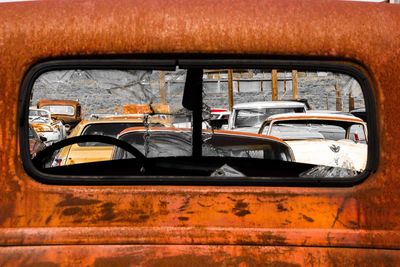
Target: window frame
(167,63)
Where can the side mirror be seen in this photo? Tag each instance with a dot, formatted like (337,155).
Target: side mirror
(42,138)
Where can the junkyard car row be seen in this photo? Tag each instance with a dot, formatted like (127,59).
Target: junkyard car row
(325,139)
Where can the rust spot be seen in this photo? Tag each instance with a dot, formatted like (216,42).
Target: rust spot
(281,208)
(71,211)
(204,205)
(242,213)
(183,218)
(271,239)
(185,204)
(163,206)
(107,212)
(144,217)
(240,209)
(223,211)
(114,261)
(76,201)
(308,219)
(48,219)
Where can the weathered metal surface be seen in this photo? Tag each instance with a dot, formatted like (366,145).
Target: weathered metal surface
(362,216)
(194,255)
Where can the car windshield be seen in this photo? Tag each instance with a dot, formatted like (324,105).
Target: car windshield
(254,117)
(328,130)
(38,113)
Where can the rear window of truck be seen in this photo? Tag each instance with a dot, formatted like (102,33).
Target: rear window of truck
(283,122)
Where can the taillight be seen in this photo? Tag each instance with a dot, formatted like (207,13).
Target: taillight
(356,137)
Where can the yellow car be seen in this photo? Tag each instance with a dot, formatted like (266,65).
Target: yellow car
(106,126)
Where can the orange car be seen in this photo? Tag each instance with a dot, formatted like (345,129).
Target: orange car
(94,151)
(67,111)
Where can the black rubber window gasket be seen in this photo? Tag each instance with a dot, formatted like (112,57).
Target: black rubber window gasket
(169,63)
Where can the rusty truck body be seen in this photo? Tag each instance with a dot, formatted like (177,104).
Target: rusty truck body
(278,223)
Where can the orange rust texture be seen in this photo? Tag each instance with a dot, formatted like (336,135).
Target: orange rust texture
(366,215)
(194,256)
(145,108)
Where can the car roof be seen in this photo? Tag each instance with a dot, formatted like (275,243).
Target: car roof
(183,130)
(269,104)
(314,116)
(57,102)
(110,120)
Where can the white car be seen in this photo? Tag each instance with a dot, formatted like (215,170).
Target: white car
(321,138)
(45,126)
(248,117)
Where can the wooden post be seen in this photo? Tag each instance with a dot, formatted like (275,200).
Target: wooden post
(351,101)
(295,88)
(230,89)
(338,97)
(284,86)
(163,95)
(274,82)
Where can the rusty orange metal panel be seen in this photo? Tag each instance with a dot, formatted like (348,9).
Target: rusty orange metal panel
(289,219)
(194,255)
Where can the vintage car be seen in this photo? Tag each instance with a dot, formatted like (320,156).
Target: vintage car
(219,118)
(67,111)
(46,126)
(165,143)
(321,138)
(104,125)
(109,214)
(36,142)
(249,116)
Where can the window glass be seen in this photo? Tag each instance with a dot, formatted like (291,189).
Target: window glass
(202,122)
(254,117)
(60,110)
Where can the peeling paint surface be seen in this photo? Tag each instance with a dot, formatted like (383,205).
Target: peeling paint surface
(285,226)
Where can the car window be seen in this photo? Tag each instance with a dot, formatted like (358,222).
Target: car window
(60,110)
(254,117)
(203,121)
(110,128)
